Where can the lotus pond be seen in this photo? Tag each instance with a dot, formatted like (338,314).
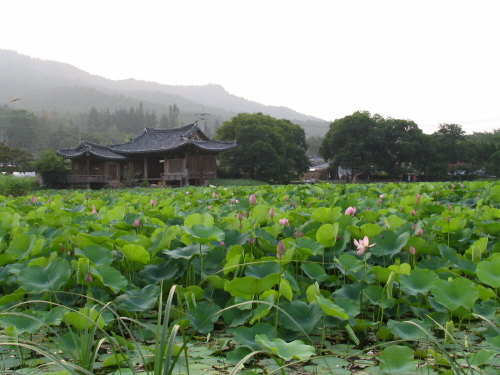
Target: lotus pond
(366,279)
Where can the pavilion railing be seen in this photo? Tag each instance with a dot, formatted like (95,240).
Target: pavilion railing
(88,178)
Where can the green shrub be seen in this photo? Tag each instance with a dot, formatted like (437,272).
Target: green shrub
(17,186)
(53,170)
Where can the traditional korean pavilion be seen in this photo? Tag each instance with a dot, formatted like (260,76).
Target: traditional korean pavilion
(166,157)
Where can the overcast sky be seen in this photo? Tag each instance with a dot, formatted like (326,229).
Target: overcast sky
(429,61)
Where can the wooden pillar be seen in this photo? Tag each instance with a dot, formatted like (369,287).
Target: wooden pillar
(201,160)
(88,173)
(145,168)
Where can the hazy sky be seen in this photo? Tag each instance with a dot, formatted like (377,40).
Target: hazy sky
(429,61)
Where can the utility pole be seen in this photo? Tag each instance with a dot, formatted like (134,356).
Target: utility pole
(202,118)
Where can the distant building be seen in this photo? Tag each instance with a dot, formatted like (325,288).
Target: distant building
(174,157)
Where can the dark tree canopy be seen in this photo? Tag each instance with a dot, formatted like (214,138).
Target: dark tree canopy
(268,149)
(13,159)
(366,143)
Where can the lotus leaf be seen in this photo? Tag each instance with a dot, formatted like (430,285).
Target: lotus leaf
(455,293)
(489,272)
(36,279)
(287,350)
(397,359)
(250,286)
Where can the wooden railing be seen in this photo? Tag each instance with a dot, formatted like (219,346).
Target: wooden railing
(88,178)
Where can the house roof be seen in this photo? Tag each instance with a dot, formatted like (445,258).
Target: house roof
(152,140)
(87,149)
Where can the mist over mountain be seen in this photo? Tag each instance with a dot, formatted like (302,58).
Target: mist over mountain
(52,87)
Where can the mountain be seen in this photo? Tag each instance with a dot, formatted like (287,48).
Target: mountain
(51,87)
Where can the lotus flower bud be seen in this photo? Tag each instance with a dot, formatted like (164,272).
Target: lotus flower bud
(413,226)
(137,223)
(413,213)
(252,199)
(381,196)
(271,212)
(412,250)
(281,247)
(251,240)
(240,216)
(152,202)
(88,278)
(33,199)
(214,194)
(234,201)
(419,233)
(94,212)
(337,238)
(222,243)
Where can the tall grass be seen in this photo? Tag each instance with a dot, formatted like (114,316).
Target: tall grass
(17,186)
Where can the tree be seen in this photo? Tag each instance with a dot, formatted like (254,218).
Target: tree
(268,149)
(355,141)
(448,138)
(173,116)
(406,147)
(53,170)
(13,159)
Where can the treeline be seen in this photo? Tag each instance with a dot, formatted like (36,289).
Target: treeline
(36,132)
(374,144)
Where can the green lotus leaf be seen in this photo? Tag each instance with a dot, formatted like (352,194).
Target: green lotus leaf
(287,350)
(303,316)
(110,277)
(203,234)
(378,296)
(155,273)
(397,359)
(135,253)
(330,308)
(327,233)
(37,279)
(246,335)
(388,243)
(312,246)
(24,245)
(455,293)
(198,219)
(22,322)
(138,299)
(489,272)
(249,286)
(261,270)
(419,281)
(98,255)
(314,271)
(326,214)
(84,318)
(187,252)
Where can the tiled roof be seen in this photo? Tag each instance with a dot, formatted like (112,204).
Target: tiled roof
(152,141)
(89,148)
(158,140)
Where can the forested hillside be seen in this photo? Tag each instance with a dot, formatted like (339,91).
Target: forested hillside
(67,94)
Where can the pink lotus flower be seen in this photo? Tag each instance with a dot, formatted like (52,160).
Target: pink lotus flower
(222,243)
(283,222)
(137,223)
(33,199)
(94,212)
(412,250)
(251,240)
(209,207)
(240,216)
(187,192)
(363,245)
(381,196)
(413,213)
(214,194)
(419,233)
(271,212)
(350,211)
(418,199)
(234,201)
(152,202)
(252,199)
